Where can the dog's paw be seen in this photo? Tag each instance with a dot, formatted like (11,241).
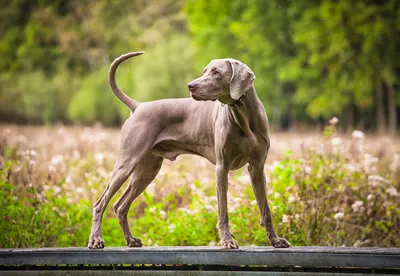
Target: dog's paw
(280,243)
(134,242)
(96,242)
(229,244)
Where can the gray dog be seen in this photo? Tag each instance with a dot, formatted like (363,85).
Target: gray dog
(226,123)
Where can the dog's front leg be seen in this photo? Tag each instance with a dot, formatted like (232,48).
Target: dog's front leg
(227,241)
(257,177)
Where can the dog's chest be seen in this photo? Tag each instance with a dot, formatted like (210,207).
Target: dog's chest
(240,150)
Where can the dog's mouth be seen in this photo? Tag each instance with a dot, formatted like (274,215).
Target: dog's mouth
(201,95)
(195,97)
(199,98)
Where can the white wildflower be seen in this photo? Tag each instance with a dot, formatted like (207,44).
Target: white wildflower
(171,227)
(334,121)
(369,162)
(57,160)
(277,195)
(396,163)
(358,134)
(370,197)
(18,168)
(353,167)
(237,200)
(336,141)
(152,209)
(253,203)
(57,189)
(358,243)
(244,179)
(274,165)
(358,206)
(209,207)
(185,210)
(79,190)
(392,191)
(99,157)
(87,175)
(376,180)
(338,216)
(285,219)
(313,210)
(267,179)
(307,169)
(232,208)
(31,153)
(291,199)
(163,214)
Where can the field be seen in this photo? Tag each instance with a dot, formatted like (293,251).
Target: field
(323,189)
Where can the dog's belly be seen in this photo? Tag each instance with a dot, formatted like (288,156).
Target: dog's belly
(172,149)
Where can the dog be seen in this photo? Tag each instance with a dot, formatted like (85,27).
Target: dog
(224,121)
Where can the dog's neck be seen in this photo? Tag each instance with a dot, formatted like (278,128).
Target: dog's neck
(227,100)
(241,111)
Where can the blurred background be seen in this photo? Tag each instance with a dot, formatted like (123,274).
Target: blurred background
(313,59)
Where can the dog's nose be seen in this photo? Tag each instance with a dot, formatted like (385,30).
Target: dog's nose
(191,85)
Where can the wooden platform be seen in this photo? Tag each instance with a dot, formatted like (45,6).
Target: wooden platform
(253,260)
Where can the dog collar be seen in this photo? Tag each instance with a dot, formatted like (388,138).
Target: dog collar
(238,103)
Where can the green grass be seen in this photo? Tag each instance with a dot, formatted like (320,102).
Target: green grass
(318,197)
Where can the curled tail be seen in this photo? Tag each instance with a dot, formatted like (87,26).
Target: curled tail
(132,104)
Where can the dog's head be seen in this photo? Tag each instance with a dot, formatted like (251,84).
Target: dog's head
(225,80)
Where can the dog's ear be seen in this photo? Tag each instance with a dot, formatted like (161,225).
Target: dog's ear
(241,80)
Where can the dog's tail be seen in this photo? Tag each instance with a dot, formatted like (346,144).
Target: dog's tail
(131,103)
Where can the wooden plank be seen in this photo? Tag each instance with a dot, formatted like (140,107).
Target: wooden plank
(177,273)
(379,258)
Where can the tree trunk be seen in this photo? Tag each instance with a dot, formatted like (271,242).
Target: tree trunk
(380,109)
(392,123)
(350,119)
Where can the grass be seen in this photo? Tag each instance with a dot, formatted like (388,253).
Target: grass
(323,190)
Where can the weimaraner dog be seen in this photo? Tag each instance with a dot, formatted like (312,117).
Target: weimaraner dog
(225,122)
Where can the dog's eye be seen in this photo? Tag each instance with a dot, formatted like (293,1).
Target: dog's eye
(215,72)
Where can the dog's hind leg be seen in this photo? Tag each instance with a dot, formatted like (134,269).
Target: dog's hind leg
(133,148)
(145,172)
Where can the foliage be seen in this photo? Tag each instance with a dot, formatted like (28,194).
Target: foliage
(57,56)
(93,101)
(333,192)
(34,217)
(323,57)
(312,59)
